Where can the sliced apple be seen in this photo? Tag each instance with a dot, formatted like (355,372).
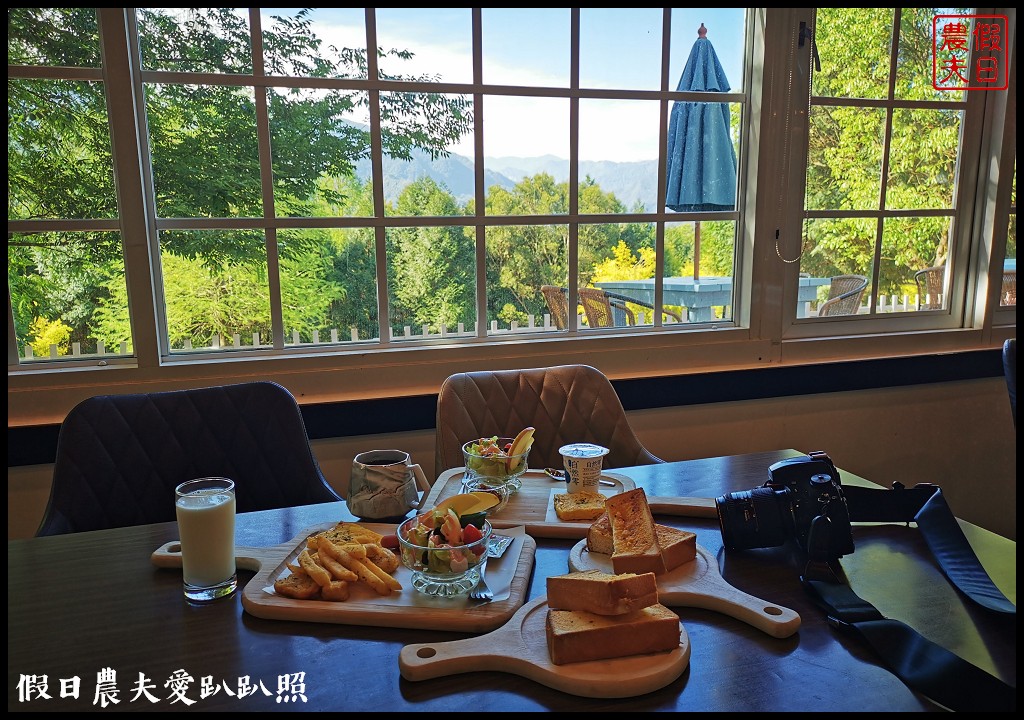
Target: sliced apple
(522,443)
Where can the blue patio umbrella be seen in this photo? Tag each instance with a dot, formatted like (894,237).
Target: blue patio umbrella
(701,174)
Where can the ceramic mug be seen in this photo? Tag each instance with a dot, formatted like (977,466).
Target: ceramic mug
(385,484)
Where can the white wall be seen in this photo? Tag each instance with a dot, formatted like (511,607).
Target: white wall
(959,435)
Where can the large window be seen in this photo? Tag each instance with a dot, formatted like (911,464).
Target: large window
(894,153)
(214,185)
(301,191)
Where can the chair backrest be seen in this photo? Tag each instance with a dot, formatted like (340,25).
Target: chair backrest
(1010,372)
(623,301)
(1008,293)
(558,303)
(599,310)
(844,295)
(119,457)
(930,288)
(565,403)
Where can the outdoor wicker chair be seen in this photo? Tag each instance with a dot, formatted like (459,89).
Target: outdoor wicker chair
(844,296)
(1008,294)
(616,299)
(930,287)
(558,303)
(601,311)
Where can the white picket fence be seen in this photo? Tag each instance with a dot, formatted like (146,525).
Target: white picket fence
(886,304)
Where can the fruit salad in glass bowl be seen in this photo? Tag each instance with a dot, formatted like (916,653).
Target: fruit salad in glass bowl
(499,461)
(446,553)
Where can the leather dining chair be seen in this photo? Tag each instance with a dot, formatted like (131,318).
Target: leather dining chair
(119,457)
(564,403)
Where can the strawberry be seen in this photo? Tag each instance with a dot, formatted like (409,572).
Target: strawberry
(470,535)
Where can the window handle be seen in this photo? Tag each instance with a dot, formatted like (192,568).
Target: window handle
(807,33)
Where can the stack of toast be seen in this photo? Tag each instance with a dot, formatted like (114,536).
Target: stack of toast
(593,615)
(627,532)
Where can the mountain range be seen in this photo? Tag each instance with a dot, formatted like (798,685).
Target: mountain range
(631,182)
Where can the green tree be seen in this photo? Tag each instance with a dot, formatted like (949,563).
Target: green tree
(522,258)
(202,140)
(431,270)
(310,137)
(845,151)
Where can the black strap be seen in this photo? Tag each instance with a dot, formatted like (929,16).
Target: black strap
(924,666)
(956,557)
(930,669)
(925,505)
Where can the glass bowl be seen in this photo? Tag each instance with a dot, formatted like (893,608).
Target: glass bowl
(442,569)
(499,469)
(501,488)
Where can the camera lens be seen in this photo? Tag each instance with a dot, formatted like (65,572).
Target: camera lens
(756,518)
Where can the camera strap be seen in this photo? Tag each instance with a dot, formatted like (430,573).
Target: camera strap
(923,665)
(926,505)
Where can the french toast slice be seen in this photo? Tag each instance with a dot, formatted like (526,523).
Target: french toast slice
(635,545)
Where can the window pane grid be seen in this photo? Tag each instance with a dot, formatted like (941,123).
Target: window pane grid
(308,195)
(521,211)
(884,147)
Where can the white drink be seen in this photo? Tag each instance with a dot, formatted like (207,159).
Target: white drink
(206,523)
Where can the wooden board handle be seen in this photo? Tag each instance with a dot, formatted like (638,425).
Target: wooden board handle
(700,584)
(168,555)
(433,660)
(775,620)
(520,647)
(683,506)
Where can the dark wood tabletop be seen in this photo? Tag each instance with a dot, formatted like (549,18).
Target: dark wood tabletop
(79,604)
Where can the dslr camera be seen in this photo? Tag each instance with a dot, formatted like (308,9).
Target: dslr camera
(802,500)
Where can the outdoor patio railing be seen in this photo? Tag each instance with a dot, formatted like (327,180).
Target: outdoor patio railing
(534,324)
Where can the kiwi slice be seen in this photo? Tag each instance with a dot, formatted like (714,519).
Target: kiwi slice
(476,518)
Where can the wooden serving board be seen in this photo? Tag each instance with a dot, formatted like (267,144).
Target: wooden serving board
(520,647)
(699,584)
(534,508)
(405,609)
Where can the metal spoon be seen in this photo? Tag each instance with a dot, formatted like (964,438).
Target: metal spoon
(556,474)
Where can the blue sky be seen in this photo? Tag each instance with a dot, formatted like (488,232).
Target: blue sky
(619,48)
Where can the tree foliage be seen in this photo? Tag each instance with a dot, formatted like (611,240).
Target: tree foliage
(205,152)
(844,169)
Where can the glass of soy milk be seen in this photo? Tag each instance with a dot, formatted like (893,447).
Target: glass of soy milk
(205,508)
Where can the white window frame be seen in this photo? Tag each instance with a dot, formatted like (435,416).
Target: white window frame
(764,312)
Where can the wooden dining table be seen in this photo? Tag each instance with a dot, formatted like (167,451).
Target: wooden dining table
(91,620)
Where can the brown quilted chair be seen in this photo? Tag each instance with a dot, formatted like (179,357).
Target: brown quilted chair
(566,404)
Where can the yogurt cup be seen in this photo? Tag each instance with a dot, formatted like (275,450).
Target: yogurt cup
(583,463)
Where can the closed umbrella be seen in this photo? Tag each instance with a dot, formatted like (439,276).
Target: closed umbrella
(701,173)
